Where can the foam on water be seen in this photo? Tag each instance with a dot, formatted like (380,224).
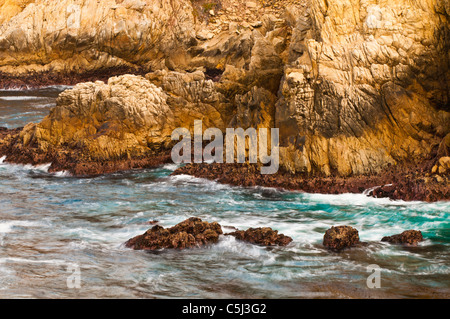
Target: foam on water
(21,98)
(50,219)
(171,167)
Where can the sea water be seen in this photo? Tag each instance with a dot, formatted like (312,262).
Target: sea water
(52,224)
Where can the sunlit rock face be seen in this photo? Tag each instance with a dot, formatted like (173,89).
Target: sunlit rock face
(79,36)
(353,85)
(367,85)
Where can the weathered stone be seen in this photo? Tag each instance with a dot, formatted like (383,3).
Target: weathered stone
(264,236)
(410,237)
(366,95)
(340,237)
(190,233)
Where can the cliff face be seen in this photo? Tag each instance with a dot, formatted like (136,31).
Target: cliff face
(371,85)
(353,85)
(84,35)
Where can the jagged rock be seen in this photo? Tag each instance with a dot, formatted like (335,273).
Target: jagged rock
(189,233)
(340,237)
(81,36)
(264,236)
(353,92)
(125,123)
(364,93)
(410,237)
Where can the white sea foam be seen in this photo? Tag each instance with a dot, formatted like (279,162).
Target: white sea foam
(209,184)
(171,167)
(27,167)
(355,199)
(21,98)
(8,226)
(62,174)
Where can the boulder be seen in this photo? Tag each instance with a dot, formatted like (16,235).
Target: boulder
(264,236)
(190,233)
(339,237)
(410,237)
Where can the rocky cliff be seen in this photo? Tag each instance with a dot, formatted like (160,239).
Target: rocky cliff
(355,86)
(80,36)
(370,86)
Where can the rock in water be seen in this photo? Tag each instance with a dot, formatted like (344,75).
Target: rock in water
(264,236)
(340,237)
(410,237)
(189,233)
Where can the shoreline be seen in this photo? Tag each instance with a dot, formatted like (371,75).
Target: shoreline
(409,182)
(396,183)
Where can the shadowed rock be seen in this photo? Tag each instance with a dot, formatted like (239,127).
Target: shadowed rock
(264,236)
(410,237)
(189,233)
(340,237)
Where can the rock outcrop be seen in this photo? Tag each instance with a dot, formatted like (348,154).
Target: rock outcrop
(366,87)
(81,36)
(190,233)
(410,237)
(340,237)
(126,123)
(264,236)
(355,87)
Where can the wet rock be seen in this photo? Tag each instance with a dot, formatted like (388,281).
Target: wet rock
(264,236)
(189,233)
(340,237)
(410,237)
(401,182)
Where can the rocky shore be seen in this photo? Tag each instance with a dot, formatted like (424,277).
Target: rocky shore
(360,96)
(409,183)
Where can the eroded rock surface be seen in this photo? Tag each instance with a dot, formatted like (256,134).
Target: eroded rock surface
(264,236)
(190,233)
(340,237)
(355,87)
(410,237)
(366,87)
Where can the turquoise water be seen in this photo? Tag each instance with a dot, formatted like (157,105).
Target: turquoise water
(51,224)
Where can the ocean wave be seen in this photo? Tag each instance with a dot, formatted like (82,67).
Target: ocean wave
(22,98)
(171,167)
(356,199)
(9,225)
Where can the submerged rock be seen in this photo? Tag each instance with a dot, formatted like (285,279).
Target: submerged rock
(340,237)
(189,233)
(410,237)
(264,236)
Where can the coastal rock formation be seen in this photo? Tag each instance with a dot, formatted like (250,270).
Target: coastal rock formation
(126,123)
(357,88)
(264,236)
(339,237)
(410,237)
(399,182)
(189,233)
(80,36)
(367,86)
